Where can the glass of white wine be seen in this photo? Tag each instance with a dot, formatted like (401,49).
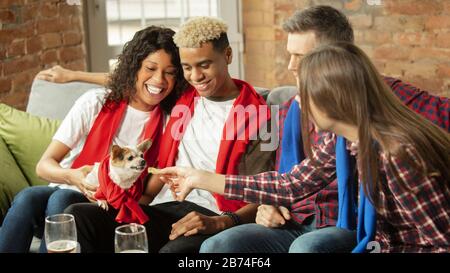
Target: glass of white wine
(131,238)
(61,234)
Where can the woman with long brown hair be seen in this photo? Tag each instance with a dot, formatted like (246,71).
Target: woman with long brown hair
(402,159)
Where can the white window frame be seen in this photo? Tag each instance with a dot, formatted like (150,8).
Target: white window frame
(99,52)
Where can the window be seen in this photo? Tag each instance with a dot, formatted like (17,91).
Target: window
(111,23)
(125,17)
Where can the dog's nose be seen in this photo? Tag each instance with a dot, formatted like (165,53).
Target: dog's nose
(142,163)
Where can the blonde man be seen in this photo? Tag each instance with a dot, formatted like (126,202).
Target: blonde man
(211,101)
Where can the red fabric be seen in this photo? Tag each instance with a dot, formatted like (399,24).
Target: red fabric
(230,151)
(99,141)
(100,137)
(126,201)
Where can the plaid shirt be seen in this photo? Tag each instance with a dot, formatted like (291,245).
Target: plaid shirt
(414,220)
(321,199)
(310,188)
(435,109)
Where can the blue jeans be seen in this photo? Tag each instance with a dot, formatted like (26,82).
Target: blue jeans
(325,240)
(254,238)
(26,217)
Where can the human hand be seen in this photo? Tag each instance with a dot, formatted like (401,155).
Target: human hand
(56,74)
(271,216)
(90,196)
(181,180)
(194,223)
(77,178)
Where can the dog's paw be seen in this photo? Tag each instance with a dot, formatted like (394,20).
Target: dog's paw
(103,204)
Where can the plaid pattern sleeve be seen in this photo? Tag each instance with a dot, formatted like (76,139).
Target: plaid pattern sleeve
(323,204)
(307,178)
(415,219)
(434,108)
(282,113)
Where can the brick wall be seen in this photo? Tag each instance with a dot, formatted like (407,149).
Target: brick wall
(35,35)
(409,39)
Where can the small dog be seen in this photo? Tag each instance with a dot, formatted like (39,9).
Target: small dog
(125,166)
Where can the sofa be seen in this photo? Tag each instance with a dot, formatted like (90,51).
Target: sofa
(25,135)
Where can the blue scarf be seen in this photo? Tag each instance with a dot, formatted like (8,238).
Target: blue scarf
(291,144)
(292,154)
(347,202)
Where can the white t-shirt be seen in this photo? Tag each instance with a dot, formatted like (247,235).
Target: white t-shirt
(199,147)
(80,119)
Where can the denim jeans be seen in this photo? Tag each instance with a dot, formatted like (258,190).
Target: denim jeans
(26,217)
(325,240)
(255,238)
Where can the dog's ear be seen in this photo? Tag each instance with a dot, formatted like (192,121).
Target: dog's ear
(116,152)
(144,145)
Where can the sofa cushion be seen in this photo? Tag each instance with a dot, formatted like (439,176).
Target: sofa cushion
(27,137)
(11,174)
(5,202)
(11,179)
(264,92)
(54,100)
(281,94)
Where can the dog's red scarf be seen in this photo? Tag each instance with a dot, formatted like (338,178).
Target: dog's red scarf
(99,141)
(230,151)
(126,201)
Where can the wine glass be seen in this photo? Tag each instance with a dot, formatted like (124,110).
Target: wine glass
(61,234)
(131,238)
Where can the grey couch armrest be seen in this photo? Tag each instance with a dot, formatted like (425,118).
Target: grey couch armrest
(282,94)
(54,100)
(264,92)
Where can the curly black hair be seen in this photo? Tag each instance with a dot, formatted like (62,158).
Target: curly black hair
(146,41)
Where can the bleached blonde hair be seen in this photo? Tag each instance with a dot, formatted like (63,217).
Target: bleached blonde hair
(199,30)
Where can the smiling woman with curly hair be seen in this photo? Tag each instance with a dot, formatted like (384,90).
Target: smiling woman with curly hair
(140,92)
(122,81)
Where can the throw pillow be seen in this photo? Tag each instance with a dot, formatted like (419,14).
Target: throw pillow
(11,179)
(27,137)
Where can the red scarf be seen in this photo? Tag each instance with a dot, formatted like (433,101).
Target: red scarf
(106,125)
(100,138)
(126,201)
(230,151)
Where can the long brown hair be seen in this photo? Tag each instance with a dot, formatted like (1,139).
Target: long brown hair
(342,82)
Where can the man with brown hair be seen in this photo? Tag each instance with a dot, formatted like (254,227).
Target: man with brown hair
(306,222)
